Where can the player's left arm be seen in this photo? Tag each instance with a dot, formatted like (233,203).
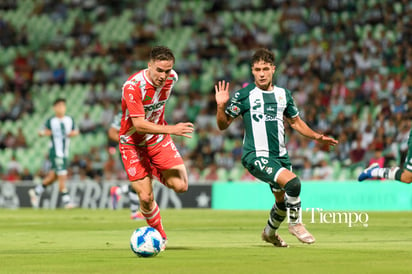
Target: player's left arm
(300,126)
(113,134)
(73,133)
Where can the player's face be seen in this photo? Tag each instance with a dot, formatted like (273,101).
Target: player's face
(159,70)
(60,109)
(263,73)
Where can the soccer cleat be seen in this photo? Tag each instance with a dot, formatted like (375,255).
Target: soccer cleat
(136,216)
(164,243)
(34,198)
(115,196)
(301,233)
(69,206)
(276,240)
(367,173)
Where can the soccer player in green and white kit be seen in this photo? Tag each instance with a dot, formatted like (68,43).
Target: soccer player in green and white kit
(403,175)
(60,128)
(263,107)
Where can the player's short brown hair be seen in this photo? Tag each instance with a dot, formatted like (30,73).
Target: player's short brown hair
(59,100)
(161,53)
(265,55)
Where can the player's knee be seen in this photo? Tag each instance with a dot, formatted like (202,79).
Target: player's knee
(146,199)
(180,187)
(292,188)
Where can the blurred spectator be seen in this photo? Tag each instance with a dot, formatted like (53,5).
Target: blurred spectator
(107,115)
(210,173)
(307,170)
(12,176)
(26,175)
(20,139)
(246,176)
(87,124)
(9,140)
(358,149)
(59,74)
(92,96)
(77,164)
(13,164)
(323,172)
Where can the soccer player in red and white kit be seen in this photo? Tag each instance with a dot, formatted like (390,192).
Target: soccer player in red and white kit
(145,144)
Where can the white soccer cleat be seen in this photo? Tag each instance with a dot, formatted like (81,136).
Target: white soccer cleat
(276,240)
(301,233)
(164,243)
(34,198)
(69,206)
(367,173)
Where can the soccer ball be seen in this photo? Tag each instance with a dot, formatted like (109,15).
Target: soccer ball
(146,242)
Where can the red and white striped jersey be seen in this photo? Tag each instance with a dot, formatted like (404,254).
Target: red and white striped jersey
(141,99)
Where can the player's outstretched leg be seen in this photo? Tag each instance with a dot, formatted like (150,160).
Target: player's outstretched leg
(367,173)
(154,220)
(276,217)
(35,195)
(135,214)
(66,200)
(293,206)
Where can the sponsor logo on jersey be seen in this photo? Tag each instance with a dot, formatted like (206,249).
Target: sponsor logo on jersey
(154,106)
(133,161)
(263,117)
(271,108)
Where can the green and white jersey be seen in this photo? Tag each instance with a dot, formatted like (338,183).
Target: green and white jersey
(263,113)
(59,140)
(116,121)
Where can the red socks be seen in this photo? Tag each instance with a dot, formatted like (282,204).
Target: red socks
(154,219)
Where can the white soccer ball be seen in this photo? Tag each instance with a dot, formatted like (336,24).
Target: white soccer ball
(146,242)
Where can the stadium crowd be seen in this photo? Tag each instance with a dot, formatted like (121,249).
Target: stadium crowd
(348,64)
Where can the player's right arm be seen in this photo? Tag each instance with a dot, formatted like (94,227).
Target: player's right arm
(45,132)
(145,127)
(132,97)
(222,96)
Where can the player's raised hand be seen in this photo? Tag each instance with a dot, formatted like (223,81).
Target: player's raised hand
(327,140)
(183,129)
(222,92)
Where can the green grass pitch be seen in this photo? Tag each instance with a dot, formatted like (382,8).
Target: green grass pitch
(200,241)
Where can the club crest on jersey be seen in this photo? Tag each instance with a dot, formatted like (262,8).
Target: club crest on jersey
(282,100)
(234,109)
(132,171)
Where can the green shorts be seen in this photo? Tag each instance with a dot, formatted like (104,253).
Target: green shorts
(59,164)
(267,169)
